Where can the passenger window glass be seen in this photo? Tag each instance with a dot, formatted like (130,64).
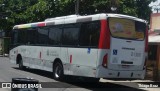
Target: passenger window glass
(70,35)
(22,36)
(89,34)
(14,37)
(42,36)
(32,35)
(55,34)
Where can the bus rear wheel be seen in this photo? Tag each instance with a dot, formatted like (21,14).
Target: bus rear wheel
(58,73)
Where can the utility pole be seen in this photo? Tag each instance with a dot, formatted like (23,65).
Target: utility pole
(156,8)
(114,5)
(77,7)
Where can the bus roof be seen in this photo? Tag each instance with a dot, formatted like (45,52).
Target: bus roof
(74,19)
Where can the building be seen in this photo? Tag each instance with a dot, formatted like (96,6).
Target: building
(153,63)
(155,22)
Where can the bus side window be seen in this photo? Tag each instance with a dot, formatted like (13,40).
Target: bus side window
(55,34)
(14,37)
(70,35)
(43,36)
(22,37)
(89,34)
(32,36)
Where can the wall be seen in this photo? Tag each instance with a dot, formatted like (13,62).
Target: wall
(155,21)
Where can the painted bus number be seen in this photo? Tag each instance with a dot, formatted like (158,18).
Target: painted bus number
(135,54)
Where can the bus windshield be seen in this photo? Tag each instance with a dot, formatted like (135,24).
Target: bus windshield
(127,29)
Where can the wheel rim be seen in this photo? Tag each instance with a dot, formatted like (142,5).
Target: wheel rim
(58,70)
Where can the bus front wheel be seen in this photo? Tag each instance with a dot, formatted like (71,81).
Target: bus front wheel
(21,66)
(58,71)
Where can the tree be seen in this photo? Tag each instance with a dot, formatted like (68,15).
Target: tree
(137,8)
(27,11)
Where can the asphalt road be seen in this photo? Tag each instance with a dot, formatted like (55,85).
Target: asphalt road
(9,71)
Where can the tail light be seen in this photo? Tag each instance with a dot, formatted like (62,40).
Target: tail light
(105,61)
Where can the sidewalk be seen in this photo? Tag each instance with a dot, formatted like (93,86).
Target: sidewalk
(5,55)
(134,84)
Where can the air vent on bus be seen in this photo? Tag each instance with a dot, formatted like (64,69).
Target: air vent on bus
(62,17)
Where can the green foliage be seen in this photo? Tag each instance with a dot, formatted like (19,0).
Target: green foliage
(26,11)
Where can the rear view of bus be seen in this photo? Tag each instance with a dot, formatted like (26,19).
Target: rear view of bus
(124,50)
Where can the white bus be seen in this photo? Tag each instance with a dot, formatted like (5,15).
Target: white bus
(94,46)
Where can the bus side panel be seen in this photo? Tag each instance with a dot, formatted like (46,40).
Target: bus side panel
(12,55)
(19,50)
(35,56)
(30,56)
(44,58)
(65,60)
(101,54)
(83,61)
(48,56)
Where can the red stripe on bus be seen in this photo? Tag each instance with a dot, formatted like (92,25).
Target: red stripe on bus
(70,58)
(41,24)
(104,41)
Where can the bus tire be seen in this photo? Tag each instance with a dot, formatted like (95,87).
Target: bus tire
(21,66)
(58,72)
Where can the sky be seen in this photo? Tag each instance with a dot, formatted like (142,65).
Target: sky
(155,5)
